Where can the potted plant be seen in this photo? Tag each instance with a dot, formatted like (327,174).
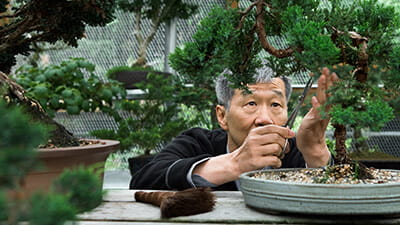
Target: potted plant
(146,124)
(155,13)
(64,87)
(27,22)
(130,76)
(74,192)
(358,40)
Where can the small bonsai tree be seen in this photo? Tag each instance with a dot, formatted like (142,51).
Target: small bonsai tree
(357,39)
(26,22)
(157,13)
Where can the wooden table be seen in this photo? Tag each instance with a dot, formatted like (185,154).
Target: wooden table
(120,208)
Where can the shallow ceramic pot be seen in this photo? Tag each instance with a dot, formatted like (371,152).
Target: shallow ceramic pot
(323,199)
(55,160)
(131,78)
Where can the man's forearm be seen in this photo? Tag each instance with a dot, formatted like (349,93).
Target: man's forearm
(218,170)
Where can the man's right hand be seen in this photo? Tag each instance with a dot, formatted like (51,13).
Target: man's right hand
(262,147)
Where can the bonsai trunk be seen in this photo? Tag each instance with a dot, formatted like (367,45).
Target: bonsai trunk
(59,136)
(361,75)
(340,137)
(142,40)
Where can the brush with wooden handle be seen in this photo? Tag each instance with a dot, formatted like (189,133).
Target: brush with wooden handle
(179,203)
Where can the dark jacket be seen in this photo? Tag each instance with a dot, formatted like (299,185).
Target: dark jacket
(169,168)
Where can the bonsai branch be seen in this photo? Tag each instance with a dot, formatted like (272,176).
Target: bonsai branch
(360,44)
(361,72)
(7,16)
(248,52)
(245,13)
(262,35)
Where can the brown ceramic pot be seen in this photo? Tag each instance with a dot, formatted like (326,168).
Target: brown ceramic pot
(55,160)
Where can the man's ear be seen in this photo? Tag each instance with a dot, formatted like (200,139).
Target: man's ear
(220,110)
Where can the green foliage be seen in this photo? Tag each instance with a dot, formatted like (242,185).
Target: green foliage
(362,105)
(48,21)
(83,189)
(77,191)
(17,157)
(374,116)
(331,146)
(71,86)
(317,48)
(3,206)
(50,209)
(45,21)
(196,61)
(217,45)
(392,80)
(3,4)
(152,121)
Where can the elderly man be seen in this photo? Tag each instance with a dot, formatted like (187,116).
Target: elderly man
(252,137)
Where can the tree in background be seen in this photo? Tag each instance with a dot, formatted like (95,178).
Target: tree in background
(157,12)
(357,39)
(28,22)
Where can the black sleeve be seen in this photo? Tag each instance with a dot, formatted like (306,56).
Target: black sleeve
(294,158)
(168,170)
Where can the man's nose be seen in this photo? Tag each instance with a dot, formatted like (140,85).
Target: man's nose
(263,117)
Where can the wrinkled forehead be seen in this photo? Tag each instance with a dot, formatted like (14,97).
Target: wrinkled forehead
(276,85)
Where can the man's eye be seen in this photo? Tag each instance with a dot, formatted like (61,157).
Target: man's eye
(275,104)
(252,103)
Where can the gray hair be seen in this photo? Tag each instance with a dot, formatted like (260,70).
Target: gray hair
(225,92)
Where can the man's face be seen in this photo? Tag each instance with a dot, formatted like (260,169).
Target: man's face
(266,104)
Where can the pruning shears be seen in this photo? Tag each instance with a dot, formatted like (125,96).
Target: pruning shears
(296,110)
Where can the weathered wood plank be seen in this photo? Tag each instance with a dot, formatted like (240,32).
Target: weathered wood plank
(128,195)
(119,207)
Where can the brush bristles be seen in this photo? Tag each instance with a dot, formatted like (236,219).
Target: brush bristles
(188,202)
(180,203)
(154,197)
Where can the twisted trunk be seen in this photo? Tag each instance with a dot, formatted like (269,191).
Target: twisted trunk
(340,137)
(59,136)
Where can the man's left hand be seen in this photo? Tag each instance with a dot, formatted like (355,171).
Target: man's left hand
(310,137)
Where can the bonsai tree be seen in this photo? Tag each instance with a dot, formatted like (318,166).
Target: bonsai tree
(157,13)
(27,22)
(72,86)
(357,39)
